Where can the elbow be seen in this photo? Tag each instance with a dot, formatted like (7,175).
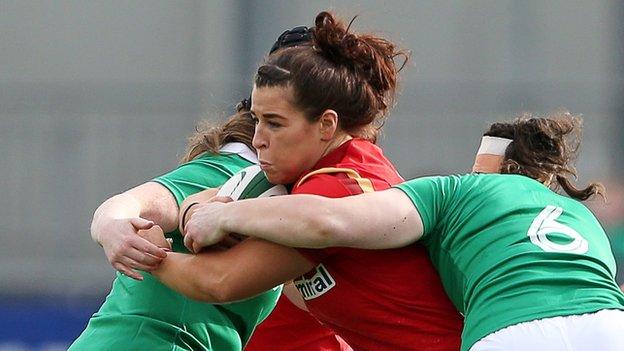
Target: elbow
(216,294)
(213,287)
(96,222)
(324,233)
(93,229)
(329,229)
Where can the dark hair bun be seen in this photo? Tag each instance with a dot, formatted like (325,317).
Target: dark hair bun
(371,56)
(352,74)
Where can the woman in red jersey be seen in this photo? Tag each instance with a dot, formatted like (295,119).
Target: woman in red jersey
(288,327)
(318,109)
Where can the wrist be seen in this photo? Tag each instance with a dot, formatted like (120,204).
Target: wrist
(225,222)
(186,215)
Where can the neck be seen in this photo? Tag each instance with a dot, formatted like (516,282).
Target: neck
(335,143)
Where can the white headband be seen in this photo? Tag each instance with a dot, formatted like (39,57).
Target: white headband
(493,146)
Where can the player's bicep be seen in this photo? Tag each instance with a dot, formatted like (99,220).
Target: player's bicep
(432,197)
(157,204)
(380,220)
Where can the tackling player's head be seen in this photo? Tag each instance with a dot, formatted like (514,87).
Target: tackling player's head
(542,148)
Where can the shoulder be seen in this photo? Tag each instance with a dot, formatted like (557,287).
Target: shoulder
(205,171)
(209,164)
(332,182)
(328,184)
(436,181)
(220,159)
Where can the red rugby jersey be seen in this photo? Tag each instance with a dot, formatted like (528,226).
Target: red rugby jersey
(374,299)
(288,328)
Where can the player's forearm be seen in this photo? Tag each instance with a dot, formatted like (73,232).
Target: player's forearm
(379,220)
(294,220)
(243,271)
(205,277)
(184,274)
(117,207)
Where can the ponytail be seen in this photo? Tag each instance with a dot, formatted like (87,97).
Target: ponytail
(544,148)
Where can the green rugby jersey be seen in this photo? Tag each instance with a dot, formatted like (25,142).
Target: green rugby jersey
(147,315)
(510,250)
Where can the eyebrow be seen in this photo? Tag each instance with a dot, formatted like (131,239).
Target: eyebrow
(269,115)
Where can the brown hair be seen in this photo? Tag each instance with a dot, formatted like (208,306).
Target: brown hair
(209,137)
(544,149)
(352,74)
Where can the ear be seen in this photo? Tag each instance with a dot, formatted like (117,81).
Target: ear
(328,124)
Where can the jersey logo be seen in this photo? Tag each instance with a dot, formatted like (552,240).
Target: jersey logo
(546,223)
(317,285)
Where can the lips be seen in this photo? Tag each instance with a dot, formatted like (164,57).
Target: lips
(264,165)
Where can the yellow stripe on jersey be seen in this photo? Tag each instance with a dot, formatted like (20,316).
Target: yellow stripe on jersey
(365,184)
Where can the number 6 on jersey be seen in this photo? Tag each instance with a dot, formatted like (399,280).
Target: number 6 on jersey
(546,223)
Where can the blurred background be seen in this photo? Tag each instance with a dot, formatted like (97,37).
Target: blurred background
(99,96)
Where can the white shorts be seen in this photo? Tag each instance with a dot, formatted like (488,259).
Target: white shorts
(602,330)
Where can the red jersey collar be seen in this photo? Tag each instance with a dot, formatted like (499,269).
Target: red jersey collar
(363,150)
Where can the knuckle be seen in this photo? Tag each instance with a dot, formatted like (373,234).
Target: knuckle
(124,246)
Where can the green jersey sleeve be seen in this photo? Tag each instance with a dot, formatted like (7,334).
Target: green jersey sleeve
(432,196)
(206,171)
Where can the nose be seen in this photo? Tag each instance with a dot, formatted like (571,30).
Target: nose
(259,139)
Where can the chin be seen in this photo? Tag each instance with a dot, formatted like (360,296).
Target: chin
(277,178)
(273,178)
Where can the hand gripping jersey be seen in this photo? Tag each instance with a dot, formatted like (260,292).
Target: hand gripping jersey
(147,315)
(510,250)
(374,299)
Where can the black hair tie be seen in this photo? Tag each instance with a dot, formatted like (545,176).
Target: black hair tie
(292,37)
(246,104)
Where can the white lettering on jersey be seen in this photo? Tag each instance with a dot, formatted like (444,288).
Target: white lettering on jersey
(315,286)
(546,223)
